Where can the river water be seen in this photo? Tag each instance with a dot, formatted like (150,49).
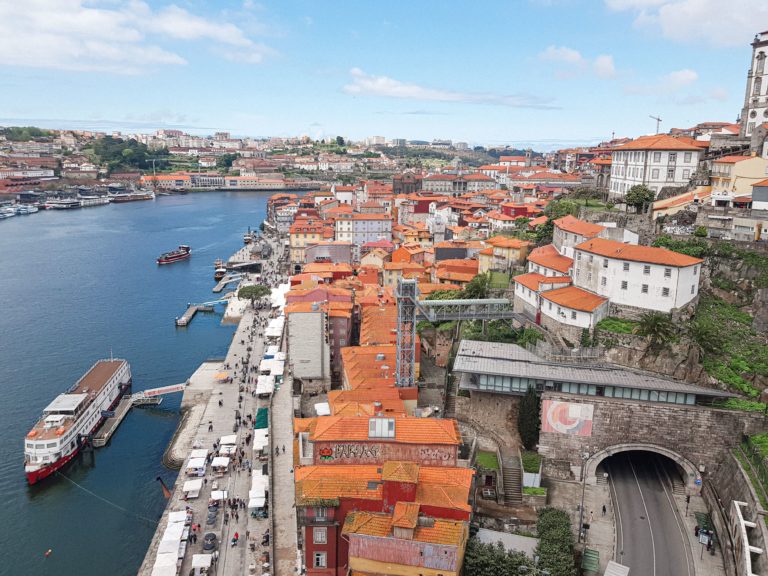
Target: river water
(76,286)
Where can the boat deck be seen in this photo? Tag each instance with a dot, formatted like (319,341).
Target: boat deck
(110,424)
(97,377)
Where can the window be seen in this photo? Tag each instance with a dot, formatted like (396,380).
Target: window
(381,428)
(320,560)
(320,535)
(589,277)
(672,157)
(626,266)
(605,263)
(550,305)
(623,284)
(647,270)
(670,174)
(687,157)
(603,281)
(667,272)
(320,513)
(665,292)
(590,258)
(573,315)
(655,174)
(758,85)
(686,174)
(657,156)
(693,288)
(578,255)
(644,289)
(695,270)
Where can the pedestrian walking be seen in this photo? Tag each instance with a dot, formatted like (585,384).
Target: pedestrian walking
(283,448)
(591,515)
(603,509)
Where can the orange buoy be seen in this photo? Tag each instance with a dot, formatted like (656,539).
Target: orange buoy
(48,552)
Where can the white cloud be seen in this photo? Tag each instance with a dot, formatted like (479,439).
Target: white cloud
(119,36)
(679,79)
(562,54)
(604,66)
(733,24)
(364,84)
(573,63)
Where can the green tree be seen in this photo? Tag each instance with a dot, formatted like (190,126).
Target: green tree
(700,232)
(639,197)
(253,292)
(529,419)
(585,193)
(482,559)
(544,233)
(445,295)
(585,340)
(477,287)
(555,548)
(339,141)
(224,162)
(560,208)
(657,327)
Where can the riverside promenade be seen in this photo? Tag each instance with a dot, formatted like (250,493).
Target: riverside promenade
(215,392)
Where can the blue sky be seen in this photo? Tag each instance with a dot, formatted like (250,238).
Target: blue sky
(541,72)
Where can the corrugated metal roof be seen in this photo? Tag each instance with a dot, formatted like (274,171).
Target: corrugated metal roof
(511,360)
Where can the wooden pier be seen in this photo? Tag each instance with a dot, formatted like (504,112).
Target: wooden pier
(193,309)
(226,280)
(110,424)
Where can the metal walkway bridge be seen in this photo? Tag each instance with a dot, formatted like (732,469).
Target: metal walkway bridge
(410,309)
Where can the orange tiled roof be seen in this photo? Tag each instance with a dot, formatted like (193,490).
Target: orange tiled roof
(455,276)
(400,472)
(378,325)
(574,298)
(575,226)
(548,257)
(405,515)
(504,242)
(731,159)
(427,288)
(761,183)
(649,254)
(658,142)
(444,532)
(534,281)
(407,430)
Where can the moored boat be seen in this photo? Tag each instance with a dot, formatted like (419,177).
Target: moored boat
(133,196)
(7,212)
(72,417)
(62,204)
(182,253)
(22,209)
(88,201)
(219,273)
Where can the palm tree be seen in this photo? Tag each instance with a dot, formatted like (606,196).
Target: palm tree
(657,327)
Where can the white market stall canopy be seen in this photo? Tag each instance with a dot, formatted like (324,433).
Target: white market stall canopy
(164,570)
(179,515)
(196,464)
(168,547)
(198,453)
(260,439)
(220,462)
(192,489)
(173,532)
(256,502)
(219,495)
(226,450)
(202,560)
(230,439)
(265,385)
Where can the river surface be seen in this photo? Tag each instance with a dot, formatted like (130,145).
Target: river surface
(77,286)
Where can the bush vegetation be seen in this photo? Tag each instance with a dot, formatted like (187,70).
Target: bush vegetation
(555,548)
(487,460)
(617,325)
(531,462)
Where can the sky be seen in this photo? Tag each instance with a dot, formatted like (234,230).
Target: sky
(540,73)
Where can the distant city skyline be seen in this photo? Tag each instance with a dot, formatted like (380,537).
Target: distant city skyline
(539,73)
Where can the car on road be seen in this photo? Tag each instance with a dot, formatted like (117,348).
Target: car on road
(210,542)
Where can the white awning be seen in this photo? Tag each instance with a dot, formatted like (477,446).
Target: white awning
(173,532)
(178,515)
(323,409)
(256,502)
(230,439)
(260,439)
(202,560)
(164,570)
(168,547)
(196,463)
(219,495)
(265,385)
(227,449)
(257,493)
(199,453)
(193,485)
(220,462)
(166,559)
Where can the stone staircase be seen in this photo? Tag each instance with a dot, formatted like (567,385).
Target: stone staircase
(513,477)
(678,488)
(450,400)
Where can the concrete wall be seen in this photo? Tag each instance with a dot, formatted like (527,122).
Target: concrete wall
(698,435)
(492,414)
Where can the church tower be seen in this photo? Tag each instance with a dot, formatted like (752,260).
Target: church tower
(755,111)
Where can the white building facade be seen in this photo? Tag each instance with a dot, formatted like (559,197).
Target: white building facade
(654,161)
(755,110)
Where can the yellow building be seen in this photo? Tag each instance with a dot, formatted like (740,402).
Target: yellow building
(732,177)
(304,232)
(502,253)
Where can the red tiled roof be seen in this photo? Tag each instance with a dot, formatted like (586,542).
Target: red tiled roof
(535,281)
(548,257)
(658,142)
(574,298)
(575,226)
(407,430)
(649,254)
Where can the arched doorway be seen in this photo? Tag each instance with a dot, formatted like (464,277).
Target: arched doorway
(689,473)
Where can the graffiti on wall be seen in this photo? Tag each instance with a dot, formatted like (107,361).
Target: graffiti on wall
(356,451)
(434,454)
(567,417)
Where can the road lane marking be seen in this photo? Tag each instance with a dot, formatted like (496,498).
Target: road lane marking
(615,502)
(686,543)
(647,515)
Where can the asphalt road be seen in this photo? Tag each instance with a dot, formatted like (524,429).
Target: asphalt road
(649,537)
